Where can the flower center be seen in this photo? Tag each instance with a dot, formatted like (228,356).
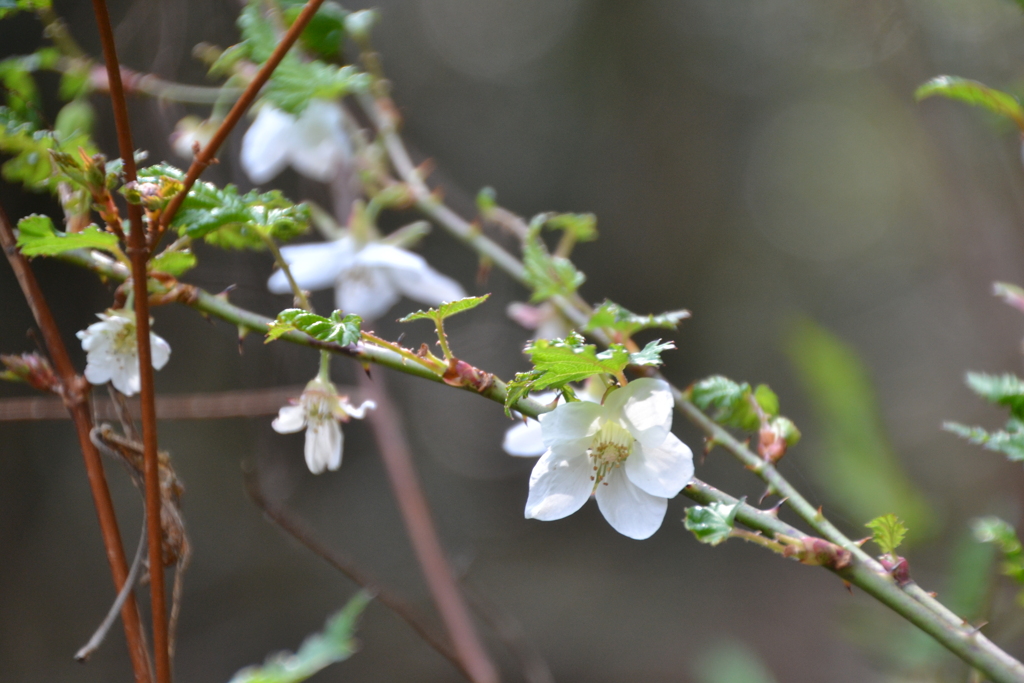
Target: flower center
(609,449)
(124,340)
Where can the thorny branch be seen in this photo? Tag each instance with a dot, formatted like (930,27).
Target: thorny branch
(74,392)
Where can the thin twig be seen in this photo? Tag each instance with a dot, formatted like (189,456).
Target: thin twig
(75,397)
(133,576)
(412,504)
(200,406)
(139,253)
(294,527)
(206,156)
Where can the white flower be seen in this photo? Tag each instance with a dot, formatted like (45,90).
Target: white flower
(368,279)
(111,352)
(319,410)
(315,143)
(622,452)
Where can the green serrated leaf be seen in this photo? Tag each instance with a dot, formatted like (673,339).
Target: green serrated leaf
(258,37)
(730,401)
(1005,390)
(558,362)
(294,83)
(447,309)
(650,354)
(342,330)
(548,275)
(37,237)
(888,532)
(318,651)
(174,263)
(519,388)
(75,118)
(30,149)
(1003,536)
(974,93)
(611,316)
(225,218)
(711,524)
(582,226)
(1010,442)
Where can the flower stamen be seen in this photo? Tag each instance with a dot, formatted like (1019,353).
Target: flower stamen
(609,449)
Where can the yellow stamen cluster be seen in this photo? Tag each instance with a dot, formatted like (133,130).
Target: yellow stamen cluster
(609,449)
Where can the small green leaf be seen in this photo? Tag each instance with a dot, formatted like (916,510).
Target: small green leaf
(974,93)
(174,263)
(1009,442)
(611,316)
(582,226)
(1005,390)
(37,237)
(294,83)
(1003,536)
(558,362)
(711,524)
(547,275)
(75,117)
(888,532)
(342,330)
(486,200)
(519,388)
(730,401)
(650,354)
(230,220)
(318,651)
(446,310)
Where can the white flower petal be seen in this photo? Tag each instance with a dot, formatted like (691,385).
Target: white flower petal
(646,406)
(314,266)
(323,445)
(411,274)
(126,378)
(265,145)
(661,471)
(427,286)
(289,419)
(367,292)
(559,485)
(319,146)
(571,424)
(160,351)
(524,439)
(378,255)
(358,412)
(631,511)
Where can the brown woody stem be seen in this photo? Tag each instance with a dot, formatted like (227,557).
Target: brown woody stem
(75,396)
(139,253)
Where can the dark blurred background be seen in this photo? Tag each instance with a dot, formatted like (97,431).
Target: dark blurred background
(760,162)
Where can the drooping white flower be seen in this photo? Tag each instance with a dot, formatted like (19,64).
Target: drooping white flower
(368,279)
(622,452)
(111,352)
(319,410)
(314,143)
